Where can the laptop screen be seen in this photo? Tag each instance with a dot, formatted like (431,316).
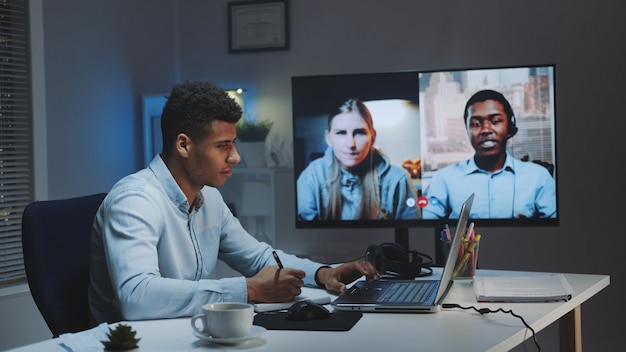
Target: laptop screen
(446,276)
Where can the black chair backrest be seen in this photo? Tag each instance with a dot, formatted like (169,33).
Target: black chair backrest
(56,244)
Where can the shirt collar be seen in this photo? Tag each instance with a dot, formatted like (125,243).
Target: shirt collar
(349,179)
(471,167)
(171,188)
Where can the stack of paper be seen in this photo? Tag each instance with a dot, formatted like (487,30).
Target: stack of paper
(535,288)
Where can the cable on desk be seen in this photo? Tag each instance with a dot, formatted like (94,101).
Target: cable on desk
(487,310)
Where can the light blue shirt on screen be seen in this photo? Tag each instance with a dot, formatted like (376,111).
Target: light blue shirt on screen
(397,198)
(519,187)
(152,258)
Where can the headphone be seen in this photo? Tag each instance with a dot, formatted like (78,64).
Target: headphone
(396,262)
(512,126)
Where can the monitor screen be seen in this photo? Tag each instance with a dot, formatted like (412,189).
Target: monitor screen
(405,149)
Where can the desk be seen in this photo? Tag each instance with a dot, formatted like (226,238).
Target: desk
(447,330)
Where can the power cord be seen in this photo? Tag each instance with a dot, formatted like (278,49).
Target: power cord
(487,310)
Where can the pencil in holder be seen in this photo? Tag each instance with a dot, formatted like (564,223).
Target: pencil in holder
(467,258)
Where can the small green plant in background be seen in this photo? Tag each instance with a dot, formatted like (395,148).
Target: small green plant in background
(121,339)
(255,131)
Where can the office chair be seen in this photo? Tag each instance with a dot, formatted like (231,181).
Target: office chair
(56,245)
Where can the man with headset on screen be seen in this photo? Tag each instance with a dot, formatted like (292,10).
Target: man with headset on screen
(505,187)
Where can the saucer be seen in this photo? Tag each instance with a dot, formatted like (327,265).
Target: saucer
(255,332)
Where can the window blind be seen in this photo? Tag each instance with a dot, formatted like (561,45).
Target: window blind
(15,134)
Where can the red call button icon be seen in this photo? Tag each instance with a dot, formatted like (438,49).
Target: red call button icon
(422,201)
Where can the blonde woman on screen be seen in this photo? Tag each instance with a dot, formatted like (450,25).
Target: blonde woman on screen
(353,180)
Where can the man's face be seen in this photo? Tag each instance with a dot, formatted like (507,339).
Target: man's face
(211,159)
(487,126)
(350,138)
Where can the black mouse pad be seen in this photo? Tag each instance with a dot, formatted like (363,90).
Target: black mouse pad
(338,321)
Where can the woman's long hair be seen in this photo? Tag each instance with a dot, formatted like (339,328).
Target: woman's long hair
(366,171)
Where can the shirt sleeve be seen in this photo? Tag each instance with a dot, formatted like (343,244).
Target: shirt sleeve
(546,196)
(436,194)
(151,270)
(403,191)
(308,197)
(162,269)
(247,255)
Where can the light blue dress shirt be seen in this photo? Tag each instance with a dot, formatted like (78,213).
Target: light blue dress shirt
(152,258)
(519,187)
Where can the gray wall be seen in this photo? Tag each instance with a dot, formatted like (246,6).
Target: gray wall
(100,57)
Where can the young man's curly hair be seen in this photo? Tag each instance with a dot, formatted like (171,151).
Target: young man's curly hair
(190,108)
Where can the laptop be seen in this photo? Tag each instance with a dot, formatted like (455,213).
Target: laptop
(410,296)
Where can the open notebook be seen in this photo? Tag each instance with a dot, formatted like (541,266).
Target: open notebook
(407,295)
(307,295)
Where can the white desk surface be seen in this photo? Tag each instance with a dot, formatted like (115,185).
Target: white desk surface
(448,330)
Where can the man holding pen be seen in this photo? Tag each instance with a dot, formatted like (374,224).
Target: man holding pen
(159,232)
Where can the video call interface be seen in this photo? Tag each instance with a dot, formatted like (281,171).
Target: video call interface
(418,118)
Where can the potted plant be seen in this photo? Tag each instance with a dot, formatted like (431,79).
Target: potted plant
(252,136)
(255,131)
(121,339)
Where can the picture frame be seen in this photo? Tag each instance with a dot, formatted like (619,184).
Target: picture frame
(258,25)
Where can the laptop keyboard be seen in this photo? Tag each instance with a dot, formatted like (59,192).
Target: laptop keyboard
(410,293)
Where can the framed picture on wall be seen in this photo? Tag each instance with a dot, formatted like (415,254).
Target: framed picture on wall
(258,25)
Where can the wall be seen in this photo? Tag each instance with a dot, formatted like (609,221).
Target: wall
(100,57)
(91,64)
(581,38)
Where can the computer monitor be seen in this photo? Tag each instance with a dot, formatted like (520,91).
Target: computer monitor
(434,138)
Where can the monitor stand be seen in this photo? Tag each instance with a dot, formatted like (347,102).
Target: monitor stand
(402,236)
(439,257)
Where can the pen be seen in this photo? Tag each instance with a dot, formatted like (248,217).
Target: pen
(280,264)
(460,265)
(474,240)
(469,235)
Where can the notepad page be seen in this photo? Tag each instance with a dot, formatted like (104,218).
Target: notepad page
(522,288)
(268,307)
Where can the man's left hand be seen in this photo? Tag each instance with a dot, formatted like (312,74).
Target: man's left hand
(335,279)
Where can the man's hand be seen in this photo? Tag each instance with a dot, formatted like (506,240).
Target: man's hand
(335,279)
(272,284)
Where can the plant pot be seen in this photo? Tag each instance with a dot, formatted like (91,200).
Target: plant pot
(252,154)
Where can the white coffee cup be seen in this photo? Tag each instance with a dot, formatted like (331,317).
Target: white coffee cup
(224,320)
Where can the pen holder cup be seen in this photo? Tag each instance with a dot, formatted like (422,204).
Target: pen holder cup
(465,266)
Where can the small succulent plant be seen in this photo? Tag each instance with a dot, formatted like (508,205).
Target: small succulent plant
(121,339)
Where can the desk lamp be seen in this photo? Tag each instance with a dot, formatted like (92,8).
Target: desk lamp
(257,203)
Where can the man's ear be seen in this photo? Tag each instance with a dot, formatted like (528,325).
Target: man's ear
(182,144)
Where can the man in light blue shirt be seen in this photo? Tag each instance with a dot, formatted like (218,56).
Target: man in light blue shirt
(159,232)
(504,187)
